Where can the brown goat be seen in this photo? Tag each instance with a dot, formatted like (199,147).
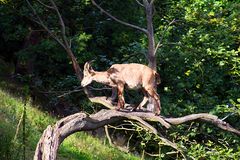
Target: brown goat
(132,75)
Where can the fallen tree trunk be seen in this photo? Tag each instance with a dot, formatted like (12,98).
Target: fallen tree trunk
(53,136)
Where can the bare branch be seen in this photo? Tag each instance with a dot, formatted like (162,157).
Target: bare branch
(110,140)
(63,27)
(53,136)
(70,43)
(152,155)
(151,3)
(205,117)
(65,93)
(40,22)
(18,126)
(143,123)
(118,20)
(230,114)
(122,128)
(47,6)
(159,44)
(103,101)
(108,136)
(138,2)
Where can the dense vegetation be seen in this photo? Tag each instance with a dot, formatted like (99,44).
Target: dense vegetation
(199,63)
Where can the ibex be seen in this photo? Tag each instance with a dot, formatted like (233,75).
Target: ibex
(132,75)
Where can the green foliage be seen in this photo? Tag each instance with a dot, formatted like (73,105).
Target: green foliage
(3,1)
(207,54)
(199,67)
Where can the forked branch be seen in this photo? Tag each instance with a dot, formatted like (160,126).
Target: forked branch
(62,40)
(159,44)
(39,21)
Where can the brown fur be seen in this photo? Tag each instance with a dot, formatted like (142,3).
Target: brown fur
(132,75)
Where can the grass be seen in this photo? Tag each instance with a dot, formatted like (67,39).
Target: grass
(75,147)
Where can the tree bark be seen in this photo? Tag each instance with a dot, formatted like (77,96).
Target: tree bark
(53,136)
(150,35)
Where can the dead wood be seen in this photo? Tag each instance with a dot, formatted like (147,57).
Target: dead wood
(53,136)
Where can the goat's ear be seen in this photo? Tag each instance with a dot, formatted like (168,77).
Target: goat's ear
(92,73)
(90,70)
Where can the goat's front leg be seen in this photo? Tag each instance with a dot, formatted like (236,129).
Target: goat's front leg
(121,101)
(156,97)
(114,94)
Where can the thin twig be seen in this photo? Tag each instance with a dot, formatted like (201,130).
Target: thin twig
(159,44)
(79,90)
(40,22)
(129,141)
(118,20)
(108,136)
(138,2)
(142,157)
(18,126)
(152,155)
(63,27)
(122,128)
(144,124)
(45,5)
(112,144)
(230,114)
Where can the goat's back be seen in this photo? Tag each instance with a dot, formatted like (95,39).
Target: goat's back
(133,75)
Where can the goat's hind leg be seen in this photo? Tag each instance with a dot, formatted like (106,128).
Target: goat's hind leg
(121,101)
(156,97)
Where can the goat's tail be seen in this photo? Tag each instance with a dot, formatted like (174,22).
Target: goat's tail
(158,79)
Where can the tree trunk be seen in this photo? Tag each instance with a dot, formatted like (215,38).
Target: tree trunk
(151,42)
(76,67)
(151,47)
(77,70)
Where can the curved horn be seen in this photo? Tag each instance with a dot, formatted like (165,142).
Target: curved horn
(89,65)
(90,62)
(86,66)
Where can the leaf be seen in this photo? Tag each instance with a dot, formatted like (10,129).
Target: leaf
(221,63)
(188,72)
(238,100)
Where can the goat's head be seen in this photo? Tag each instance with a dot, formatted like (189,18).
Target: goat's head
(88,74)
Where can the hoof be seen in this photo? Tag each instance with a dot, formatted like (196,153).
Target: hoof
(109,99)
(157,113)
(117,109)
(143,109)
(133,109)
